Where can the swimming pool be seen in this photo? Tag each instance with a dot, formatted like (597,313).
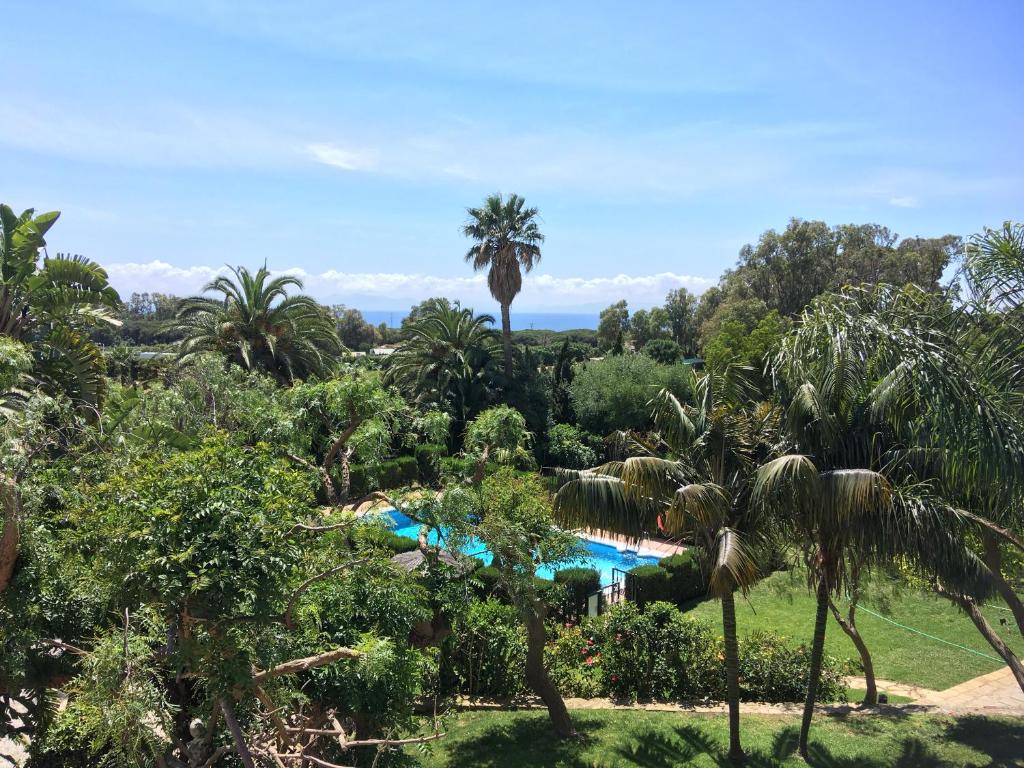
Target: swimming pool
(602,557)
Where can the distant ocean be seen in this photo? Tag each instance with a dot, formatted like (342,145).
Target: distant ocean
(521,321)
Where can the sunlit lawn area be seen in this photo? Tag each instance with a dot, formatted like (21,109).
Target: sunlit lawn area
(782,604)
(664,739)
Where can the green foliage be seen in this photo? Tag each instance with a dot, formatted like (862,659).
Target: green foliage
(737,344)
(15,360)
(573,660)
(613,322)
(771,670)
(500,434)
(579,583)
(571,447)
(664,351)
(487,652)
(207,528)
(686,582)
(257,325)
(51,306)
(658,653)
(614,393)
(648,584)
(428,462)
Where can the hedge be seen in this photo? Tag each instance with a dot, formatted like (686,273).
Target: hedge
(428,462)
(648,584)
(579,584)
(686,582)
(394,473)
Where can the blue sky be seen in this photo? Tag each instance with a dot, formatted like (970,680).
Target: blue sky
(343,141)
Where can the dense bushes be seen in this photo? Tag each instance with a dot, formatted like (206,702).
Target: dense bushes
(428,462)
(578,584)
(686,581)
(660,653)
(394,473)
(648,584)
(486,655)
(675,579)
(571,448)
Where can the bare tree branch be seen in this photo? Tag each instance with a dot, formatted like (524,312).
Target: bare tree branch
(310,662)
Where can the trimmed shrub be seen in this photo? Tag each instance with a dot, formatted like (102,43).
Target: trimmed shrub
(375,536)
(579,583)
(685,580)
(428,462)
(647,584)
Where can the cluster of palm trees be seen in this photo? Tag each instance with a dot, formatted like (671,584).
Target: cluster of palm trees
(893,432)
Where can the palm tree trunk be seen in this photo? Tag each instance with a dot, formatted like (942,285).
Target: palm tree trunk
(506,339)
(537,675)
(849,626)
(817,652)
(993,557)
(969,606)
(732,675)
(11,536)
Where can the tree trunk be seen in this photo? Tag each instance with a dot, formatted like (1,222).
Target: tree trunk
(970,607)
(241,748)
(849,626)
(994,562)
(732,674)
(10,500)
(537,675)
(817,651)
(506,340)
(346,476)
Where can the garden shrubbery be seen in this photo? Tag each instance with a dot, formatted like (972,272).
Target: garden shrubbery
(579,583)
(629,652)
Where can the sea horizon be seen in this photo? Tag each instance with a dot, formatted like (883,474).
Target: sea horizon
(521,321)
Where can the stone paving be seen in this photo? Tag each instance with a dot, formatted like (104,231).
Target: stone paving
(996,690)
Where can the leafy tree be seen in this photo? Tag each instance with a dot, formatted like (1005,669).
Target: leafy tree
(425,308)
(571,447)
(612,323)
(645,326)
(681,308)
(664,351)
(612,394)
(50,307)
(257,325)
(446,361)
(353,330)
(701,489)
(737,344)
(506,240)
(561,379)
(498,434)
(994,267)
(338,418)
(515,524)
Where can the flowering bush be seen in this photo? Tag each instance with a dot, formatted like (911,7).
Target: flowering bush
(771,670)
(573,660)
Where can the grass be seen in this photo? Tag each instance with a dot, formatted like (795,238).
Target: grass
(666,739)
(855,695)
(782,604)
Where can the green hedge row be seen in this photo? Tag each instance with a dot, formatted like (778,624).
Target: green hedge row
(675,579)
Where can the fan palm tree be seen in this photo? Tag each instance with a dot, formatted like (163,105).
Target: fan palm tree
(698,482)
(257,325)
(446,361)
(506,238)
(50,307)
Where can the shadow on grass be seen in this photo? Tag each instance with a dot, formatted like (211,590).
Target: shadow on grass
(529,741)
(1001,740)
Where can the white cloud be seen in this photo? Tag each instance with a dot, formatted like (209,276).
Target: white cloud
(339,157)
(396,290)
(903,201)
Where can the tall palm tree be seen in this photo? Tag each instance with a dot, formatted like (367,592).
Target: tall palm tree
(868,378)
(446,361)
(506,238)
(257,325)
(698,481)
(50,306)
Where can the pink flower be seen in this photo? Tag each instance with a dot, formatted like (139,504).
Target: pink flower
(590,642)
(590,660)
(615,678)
(584,651)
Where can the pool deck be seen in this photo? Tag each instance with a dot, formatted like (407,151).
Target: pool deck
(647,548)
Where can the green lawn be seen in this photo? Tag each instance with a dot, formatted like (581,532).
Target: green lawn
(782,604)
(663,739)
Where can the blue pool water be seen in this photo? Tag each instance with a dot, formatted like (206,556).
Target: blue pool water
(600,556)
